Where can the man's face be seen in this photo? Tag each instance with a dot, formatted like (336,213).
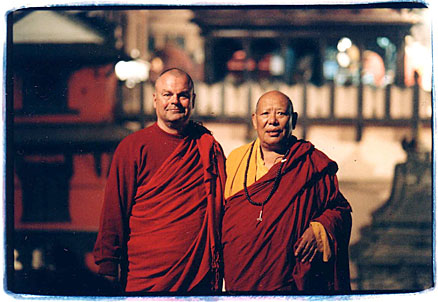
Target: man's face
(173,100)
(273,120)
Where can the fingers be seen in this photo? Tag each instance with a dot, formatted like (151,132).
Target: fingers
(307,252)
(307,248)
(299,248)
(310,255)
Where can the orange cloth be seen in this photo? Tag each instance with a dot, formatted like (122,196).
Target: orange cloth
(236,165)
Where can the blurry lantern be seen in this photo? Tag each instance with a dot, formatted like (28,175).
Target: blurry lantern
(132,72)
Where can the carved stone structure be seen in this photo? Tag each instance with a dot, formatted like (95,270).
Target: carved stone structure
(395,250)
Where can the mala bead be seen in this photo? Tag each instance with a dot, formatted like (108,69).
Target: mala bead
(274,187)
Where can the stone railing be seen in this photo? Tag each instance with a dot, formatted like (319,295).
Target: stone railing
(332,104)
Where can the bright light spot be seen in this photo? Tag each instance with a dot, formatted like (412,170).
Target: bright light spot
(429,111)
(383,42)
(276,65)
(157,65)
(18,266)
(343,59)
(133,71)
(419,58)
(344,44)
(37,259)
(135,53)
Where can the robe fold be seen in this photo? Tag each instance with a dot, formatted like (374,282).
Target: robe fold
(170,236)
(259,256)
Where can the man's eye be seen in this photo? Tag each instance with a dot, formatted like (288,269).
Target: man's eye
(264,113)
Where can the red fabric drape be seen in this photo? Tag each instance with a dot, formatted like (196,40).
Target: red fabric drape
(173,226)
(170,235)
(259,256)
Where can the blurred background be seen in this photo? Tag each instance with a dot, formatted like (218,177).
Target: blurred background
(80,80)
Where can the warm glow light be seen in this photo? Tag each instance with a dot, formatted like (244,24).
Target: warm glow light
(344,44)
(239,55)
(157,65)
(418,58)
(132,72)
(343,59)
(429,111)
(276,65)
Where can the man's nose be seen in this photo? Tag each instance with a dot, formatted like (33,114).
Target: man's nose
(272,119)
(174,99)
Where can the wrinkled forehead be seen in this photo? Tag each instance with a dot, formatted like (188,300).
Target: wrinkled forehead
(274,102)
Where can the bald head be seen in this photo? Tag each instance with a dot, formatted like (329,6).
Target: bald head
(274,95)
(175,72)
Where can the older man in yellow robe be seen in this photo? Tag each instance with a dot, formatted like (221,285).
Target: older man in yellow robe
(286,226)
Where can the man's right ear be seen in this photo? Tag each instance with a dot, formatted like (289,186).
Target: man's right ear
(254,121)
(154,97)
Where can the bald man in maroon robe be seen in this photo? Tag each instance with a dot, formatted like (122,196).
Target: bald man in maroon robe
(160,222)
(286,225)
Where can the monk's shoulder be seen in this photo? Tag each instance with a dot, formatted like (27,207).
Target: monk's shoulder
(238,153)
(136,140)
(196,129)
(321,160)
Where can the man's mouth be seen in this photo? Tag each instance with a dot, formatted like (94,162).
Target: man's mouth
(273,132)
(178,110)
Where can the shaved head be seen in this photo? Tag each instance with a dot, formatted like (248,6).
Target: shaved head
(177,73)
(277,95)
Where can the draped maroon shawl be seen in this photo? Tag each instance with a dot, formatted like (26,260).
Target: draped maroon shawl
(171,230)
(259,256)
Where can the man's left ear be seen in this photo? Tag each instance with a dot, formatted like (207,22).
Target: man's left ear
(294,119)
(193,100)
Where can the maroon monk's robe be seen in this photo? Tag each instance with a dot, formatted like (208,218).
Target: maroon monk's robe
(259,256)
(161,214)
